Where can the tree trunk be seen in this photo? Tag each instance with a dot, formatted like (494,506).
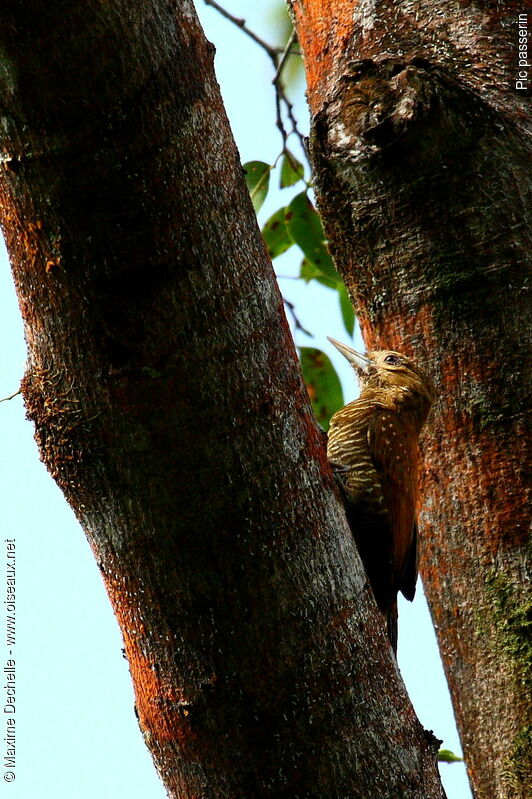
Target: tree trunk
(169,408)
(423,179)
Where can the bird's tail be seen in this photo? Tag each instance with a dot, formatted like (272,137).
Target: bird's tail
(391,626)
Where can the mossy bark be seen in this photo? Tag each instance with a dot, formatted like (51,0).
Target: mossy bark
(168,406)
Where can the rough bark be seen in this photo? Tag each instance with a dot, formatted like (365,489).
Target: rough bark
(422,163)
(168,406)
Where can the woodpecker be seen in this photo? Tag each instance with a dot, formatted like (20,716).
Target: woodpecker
(373,449)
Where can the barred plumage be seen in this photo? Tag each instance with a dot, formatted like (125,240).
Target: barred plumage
(373,449)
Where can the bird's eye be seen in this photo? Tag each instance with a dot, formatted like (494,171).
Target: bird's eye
(392,359)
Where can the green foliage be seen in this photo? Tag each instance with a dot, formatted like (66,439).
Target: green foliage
(322,384)
(299,224)
(305,228)
(446,756)
(258,182)
(310,272)
(276,234)
(292,170)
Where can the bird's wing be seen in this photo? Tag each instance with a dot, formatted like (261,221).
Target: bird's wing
(348,450)
(394,453)
(350,457)
(347,433)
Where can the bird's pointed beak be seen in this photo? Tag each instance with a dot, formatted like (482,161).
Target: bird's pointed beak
(356,359)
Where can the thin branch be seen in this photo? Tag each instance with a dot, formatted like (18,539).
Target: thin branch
(284,57)
(279,115)
(281,96)
(293,120)
(279,57)
(273,52)
(5,399)
(297,323)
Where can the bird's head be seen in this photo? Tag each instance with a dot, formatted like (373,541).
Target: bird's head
(386,369)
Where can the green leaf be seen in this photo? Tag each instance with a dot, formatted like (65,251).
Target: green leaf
(308,272)
(348,314)
(305,228)
(292,170)
(276,235)
(258,180)
(322,382)
(446,756)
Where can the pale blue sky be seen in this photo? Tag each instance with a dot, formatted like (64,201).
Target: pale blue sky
(77,735)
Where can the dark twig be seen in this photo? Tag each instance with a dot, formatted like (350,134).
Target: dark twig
(279,114)
(273,52)
(297,323)
(293,120)
(279,57)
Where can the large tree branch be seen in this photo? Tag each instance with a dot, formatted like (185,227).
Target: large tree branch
(168,406)
(422,162)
